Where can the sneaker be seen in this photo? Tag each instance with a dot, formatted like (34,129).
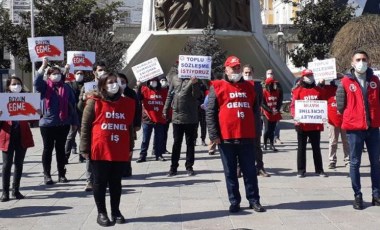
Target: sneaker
(190,172)
(172,173)
(322,174)
(263,173)
(204,143)
(89,187)
(234,208)
(332,165)
(48,180)
(278,141)
(301,175)
(62,179)
(160,158)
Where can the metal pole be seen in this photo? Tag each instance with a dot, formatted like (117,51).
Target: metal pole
(32,35)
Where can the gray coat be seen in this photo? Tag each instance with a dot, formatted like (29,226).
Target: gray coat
(182,98)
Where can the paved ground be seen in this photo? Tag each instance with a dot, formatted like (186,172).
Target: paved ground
(151,200)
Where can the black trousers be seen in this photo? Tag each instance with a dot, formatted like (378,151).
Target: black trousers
(315,140)
(107,173)
(54,137)
(269,127)
(259,154)
(15,154)
(178,131)
(202,123)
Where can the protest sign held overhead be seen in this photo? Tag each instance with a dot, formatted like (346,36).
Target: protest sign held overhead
(311,111)
(197,66)
(19,106)
(50,47)
(147,70)
(323,69)
(80,60)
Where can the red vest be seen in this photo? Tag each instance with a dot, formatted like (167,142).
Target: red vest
(335,118)
(5,135)
(301,93)
(271,99)
(236,117)
(354,115)
(110,129)
(153,103)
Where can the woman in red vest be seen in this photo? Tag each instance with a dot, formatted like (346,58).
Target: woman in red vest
(107,131)
(271,106)
(15,138)
(307,90)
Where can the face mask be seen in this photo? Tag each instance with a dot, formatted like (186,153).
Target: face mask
(153,84)
(247,78)
(100,74)
(15,88)
(55,77)
(112,88)
(164,83)
(123,86)
(308,80)
(361,67)
(235,77)
(269,75)
(79,77)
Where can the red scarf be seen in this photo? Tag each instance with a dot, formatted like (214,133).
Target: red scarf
(63,97)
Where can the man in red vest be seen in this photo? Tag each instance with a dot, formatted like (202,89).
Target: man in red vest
(230,120)
(358,99)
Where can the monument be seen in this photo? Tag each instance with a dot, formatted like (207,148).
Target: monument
(167,25)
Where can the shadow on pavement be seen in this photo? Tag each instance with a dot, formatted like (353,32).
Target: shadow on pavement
(311,205)
(33,211)
(174,183)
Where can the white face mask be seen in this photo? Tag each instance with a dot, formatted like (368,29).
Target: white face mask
(235,77)
(153,84)
(308,79)
(15,88)
(361,67)
(100,74)
(164,83)
(247,78)
(55,77)
(79,77)
(113,88)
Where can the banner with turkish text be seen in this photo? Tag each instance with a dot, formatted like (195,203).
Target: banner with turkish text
(147,70)
(19,106)
(311,111)
(80,60)
(50,47)
(194,66)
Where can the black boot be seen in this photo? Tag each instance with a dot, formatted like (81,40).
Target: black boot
(47,178)
(16,191)
(5,196)
(358,202)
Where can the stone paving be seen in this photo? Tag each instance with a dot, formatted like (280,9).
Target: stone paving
(151,200)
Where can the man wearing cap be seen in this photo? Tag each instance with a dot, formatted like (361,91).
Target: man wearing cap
(358,99)
(230,120)
(307,90)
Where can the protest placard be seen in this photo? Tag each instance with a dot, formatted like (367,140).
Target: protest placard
(147,70)
(19,106)
(90,86)
(50,47)
(311,111)
(323,69)
(80,60)
(197,66)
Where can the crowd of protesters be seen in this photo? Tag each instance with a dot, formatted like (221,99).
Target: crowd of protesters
(238,110)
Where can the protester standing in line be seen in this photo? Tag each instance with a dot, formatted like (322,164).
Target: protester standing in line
(98,70)
(16,137)
(272,102)
(307,90)
(58,114)
(230,113)
(358,100)
(183,99)
(152,98)
(71,145)
(335,124)
(107,131)
(247,73)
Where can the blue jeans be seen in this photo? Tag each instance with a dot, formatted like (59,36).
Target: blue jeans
(159,136)
(277,131)
(245,154)
(356,141)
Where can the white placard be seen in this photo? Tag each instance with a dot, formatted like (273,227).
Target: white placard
(147,70)
(377,73)
(80,60)
(90,86)
(311,111)
(19,106)
(323,69)
(197,66)
(50,47)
